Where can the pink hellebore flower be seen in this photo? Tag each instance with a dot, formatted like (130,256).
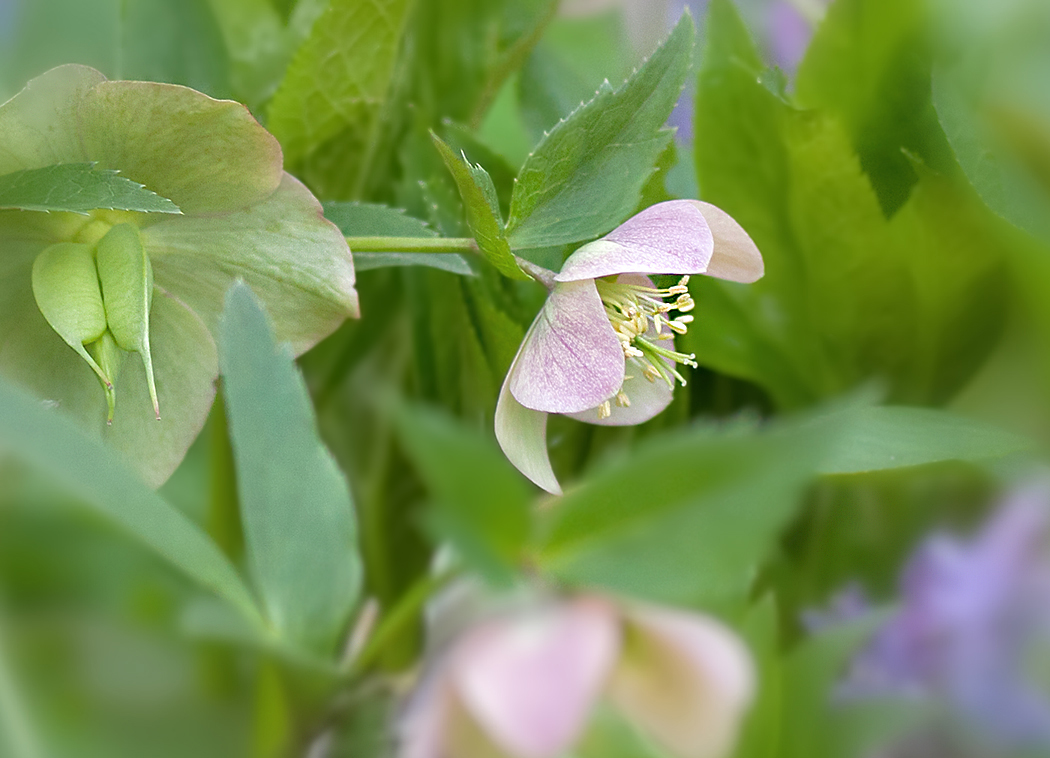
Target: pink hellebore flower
(602,348)
(523,685)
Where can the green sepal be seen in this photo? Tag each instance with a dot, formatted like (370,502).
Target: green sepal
(66,289)
(127,292)
(110,358)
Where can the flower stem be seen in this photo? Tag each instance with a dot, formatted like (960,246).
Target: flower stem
(412,244)
(402,614)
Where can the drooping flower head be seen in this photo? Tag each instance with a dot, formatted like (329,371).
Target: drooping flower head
(80,291)
(602,348)
(523,684)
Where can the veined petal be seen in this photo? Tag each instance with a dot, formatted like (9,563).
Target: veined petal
(522,434)
(685,679)
(667,238)
(531,679)
(186,365)
(570,360)
(646,400)
(736,257)
(207,156)
(38,126)
(294,260)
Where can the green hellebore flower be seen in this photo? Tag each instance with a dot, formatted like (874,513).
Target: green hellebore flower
(80,292)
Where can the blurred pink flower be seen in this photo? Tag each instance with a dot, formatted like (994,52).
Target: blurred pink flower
(523,685)
(604,314)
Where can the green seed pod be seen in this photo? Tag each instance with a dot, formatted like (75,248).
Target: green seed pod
(66,288)
(127,292)
(110,358)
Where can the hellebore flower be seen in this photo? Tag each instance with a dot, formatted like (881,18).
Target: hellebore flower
(80,291)
(523,685)
(602,348)
(971,616)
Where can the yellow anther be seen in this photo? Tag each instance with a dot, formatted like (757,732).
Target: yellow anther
(605,410)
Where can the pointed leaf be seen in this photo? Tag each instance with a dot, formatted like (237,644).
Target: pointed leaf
(299,523)
(50,443)
(79,188)
(482,209)
(588,172)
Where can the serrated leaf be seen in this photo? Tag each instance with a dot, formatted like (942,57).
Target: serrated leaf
(373,220)
(482,209)
(337,84)
(78,188)
(299,523)
(587,174)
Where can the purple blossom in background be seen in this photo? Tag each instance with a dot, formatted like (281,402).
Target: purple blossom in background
(788,33)
(972,613)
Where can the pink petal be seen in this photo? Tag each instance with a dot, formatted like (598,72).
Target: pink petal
(522,434)
(736,257)
(531,679)
(647,399)
(666,238)
(686,680)
(570,360)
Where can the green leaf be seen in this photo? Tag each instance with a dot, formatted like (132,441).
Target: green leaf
(482,208)
(848,295)
(587,174)
(887,437)
(299,522)
(78,188)
(373,220)
(337,86)
(52,445)
(481,504)
(869,64)
(696,511)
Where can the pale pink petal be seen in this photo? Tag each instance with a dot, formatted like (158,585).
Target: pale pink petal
(570,360)
(685,679)
(647,399)
(531,679)
(666,238)
(522,433)
(736,257)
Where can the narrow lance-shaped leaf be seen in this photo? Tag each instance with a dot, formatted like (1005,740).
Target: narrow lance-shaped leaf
(126,276)
(587,174)
(482,209)
(78,188)
(299,522)
(54,446)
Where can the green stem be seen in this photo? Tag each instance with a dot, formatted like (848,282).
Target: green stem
(402,614)
(412,244)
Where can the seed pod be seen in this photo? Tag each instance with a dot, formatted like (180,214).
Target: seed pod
(127,292)
(66,289)
(110,358)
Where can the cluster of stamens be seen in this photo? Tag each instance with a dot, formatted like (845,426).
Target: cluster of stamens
(642,318)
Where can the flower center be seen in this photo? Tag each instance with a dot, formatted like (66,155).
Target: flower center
(642,318)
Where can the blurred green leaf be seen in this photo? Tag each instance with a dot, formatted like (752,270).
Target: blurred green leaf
(328,110)
(916,301)
(176,41)
(78,187)
(371,220)
(761,731)
(688,517)
(482,208)
(882,437)
(52,445)
(258,46)
(588,172)
(299,522)
(481,504)
(869,63)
